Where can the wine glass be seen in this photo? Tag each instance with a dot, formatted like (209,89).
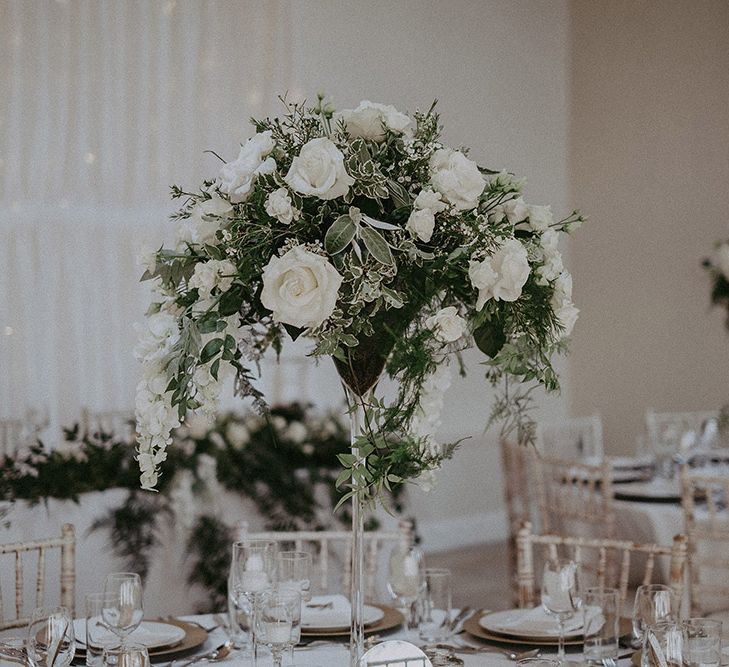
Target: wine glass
(252,574)
(293,569)
(122,611)
(654,603)
(51,640)
(405,579)
(561,594)
(278,625)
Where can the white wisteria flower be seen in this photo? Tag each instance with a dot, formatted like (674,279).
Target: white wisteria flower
(236,179)
(457,178)
(447,324)
(540,217)
(300,288)
(722,257)
(564,309)
(211,274)
(370,119)
(279,206)
(430,199)
(502,275)
(421,223)
(318,171)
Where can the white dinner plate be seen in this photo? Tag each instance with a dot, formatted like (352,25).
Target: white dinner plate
(151,634)
(533,623)
(338,616)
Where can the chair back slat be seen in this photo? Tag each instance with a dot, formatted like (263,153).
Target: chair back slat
(573,438)
(67,546)
(525,565)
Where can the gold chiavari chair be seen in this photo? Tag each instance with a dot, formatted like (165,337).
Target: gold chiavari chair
(334,546)
(577,547)
(704,500)
(67,545)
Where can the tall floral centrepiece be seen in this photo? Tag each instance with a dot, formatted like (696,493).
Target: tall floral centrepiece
(390,251)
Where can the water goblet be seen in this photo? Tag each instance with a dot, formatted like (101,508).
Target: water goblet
(293,570)
(122,606)
(561,594)
(51,640)
(278,622)
(654,603)
(435,605)
(662,645)
(405,580)
(702,642)
(128,655)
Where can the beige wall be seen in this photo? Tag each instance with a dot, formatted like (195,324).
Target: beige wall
(649,162)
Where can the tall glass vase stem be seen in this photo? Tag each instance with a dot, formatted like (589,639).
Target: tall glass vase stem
(356,643)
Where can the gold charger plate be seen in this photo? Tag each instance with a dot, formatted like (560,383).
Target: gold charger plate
(473,627)
(392,619)
(194,636)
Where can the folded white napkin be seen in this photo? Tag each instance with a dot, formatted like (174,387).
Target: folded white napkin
(538,621)
(335,616)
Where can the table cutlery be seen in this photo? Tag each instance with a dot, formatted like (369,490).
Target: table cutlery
(512,655)
(219,653)
(321,605)
(461,616)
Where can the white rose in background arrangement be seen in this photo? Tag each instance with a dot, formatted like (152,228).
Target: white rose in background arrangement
(211,274)
(516,210)
(205,219)
(236,179)
(421,223)
(562,305)
(296,432)
(300,288)
(370,119)
(279,206)
(318,171)
(551,256)
(722,254)
(457,178)
(430,199)
(540,217)
(502,275)
(237,434)
(447,324)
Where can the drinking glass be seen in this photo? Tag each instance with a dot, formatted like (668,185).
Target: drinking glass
(15,649)
(601,609)
(293,569)
(654,603)
(127,655)
(97,632)
(51,639)
(662,645)
(252,574)
(435,605)
(561,594)
(278,622)
(405,578)
(122,611)
(702,642)
(537,662)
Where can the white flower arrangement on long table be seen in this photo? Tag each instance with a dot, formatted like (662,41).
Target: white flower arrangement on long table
(391,251)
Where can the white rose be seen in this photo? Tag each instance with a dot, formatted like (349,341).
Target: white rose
(318,171)
(237,434)
(551,256)
(147,258)
(205,219)
(502,275)
(723,259)
(429,198)
(540,217)
(370,119)
(457,178)
(236,179)
(447,324)
(296,432)
(562,305)
(300,288)
(516,210)
(421,224)
(211,274)
(279,206)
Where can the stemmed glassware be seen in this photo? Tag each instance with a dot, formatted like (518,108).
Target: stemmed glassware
(122,607)
(654,604)
(51,640)
(252,574)
(293,570)
(561,594)
(405,580)
(278,623)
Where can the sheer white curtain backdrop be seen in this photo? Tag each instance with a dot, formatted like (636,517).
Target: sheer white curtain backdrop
(103,105)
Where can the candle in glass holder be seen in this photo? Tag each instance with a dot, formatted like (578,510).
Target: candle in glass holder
(254,581)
